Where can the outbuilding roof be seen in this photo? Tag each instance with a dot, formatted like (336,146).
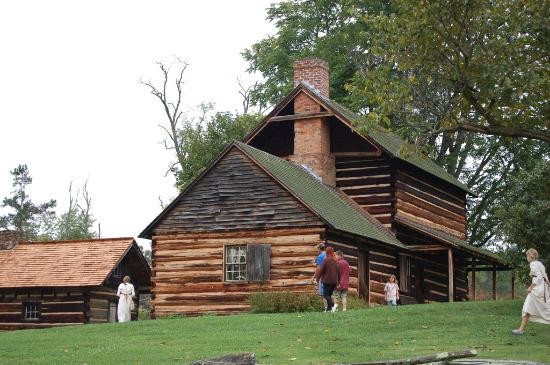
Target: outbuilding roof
(62,263)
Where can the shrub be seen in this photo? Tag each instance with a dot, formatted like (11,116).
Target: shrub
(354,302)
(284,302)
(144,313)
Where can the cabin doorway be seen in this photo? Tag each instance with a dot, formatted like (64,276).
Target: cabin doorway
(112,312)
(363,273)
(419,287)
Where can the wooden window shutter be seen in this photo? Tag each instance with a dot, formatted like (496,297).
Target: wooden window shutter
(258,262)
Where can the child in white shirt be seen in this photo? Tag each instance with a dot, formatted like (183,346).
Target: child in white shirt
(391,289)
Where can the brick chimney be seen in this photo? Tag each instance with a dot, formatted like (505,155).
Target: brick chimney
(312,135)
(314,72)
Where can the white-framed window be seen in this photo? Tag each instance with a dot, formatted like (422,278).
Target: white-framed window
(31,310)
(117,272)
(235,263)
(247,263)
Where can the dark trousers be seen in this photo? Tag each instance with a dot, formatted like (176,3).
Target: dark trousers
(327,294)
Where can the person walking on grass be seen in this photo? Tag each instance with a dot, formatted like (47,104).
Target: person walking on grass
(328,274)
(321,254)
(536,307)
(343,282)
(126,296)
(391,289)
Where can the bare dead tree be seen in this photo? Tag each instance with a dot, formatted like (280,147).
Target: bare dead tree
(78,220)
(72,201)
(247,94)
(86,206)
(162,203)
(172,109)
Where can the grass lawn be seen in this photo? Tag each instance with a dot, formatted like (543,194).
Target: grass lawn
(296,338)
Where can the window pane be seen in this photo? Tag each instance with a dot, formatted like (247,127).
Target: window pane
(31,311)
(235,263)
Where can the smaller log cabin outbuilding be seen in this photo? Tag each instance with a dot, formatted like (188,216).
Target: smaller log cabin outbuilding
(305,175)
(59,283)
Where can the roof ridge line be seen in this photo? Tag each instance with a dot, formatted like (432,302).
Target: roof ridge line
(340,194)
(384,236)
(79,241)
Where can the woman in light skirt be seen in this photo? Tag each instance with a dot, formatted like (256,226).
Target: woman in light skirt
(536,307)
(126,296)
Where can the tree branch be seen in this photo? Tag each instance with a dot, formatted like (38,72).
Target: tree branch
(504,131)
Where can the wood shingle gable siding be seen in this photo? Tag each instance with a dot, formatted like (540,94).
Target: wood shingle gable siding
(234,194)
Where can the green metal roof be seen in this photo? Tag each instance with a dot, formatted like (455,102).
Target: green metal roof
(322,199)
(394,144)
(452,240)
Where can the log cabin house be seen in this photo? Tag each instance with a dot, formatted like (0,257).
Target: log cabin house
(305,175)
(59,283)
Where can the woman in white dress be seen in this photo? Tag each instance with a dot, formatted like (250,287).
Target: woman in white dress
(125,294)
(537,303)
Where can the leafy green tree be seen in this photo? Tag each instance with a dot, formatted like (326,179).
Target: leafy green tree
(492,165)
(147,254)
(205,140)
(33,221)
(525,211)
(473,65)
(331,29)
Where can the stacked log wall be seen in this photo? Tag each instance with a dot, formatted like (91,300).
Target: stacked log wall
(428,201)
(435,268)
(461,279)
(435,275)
(368,181)
(188,276)
(58,307)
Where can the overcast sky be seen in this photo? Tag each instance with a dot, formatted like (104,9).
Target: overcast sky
(71,106)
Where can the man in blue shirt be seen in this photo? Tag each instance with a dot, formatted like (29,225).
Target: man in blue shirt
(318,261)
